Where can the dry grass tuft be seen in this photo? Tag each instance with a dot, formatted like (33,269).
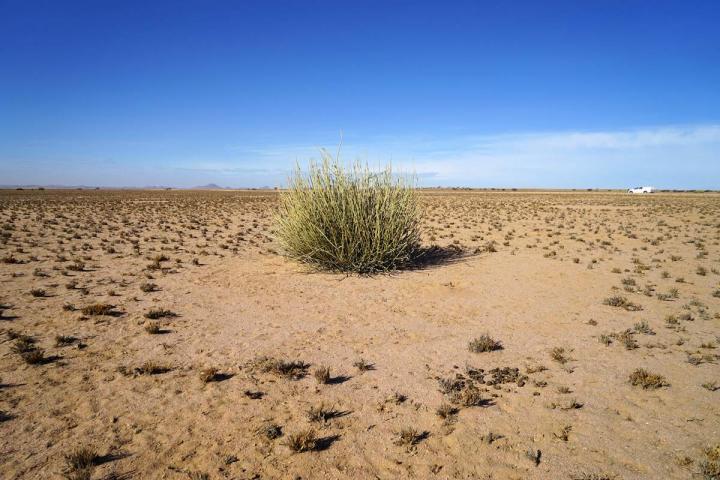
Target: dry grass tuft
(157,313)
(647,380)
(484,343)
(293,370)
(409,436)
(322,375)
(349,219)
(98,309)
(303,441)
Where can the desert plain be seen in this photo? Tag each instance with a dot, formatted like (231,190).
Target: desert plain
(556,335)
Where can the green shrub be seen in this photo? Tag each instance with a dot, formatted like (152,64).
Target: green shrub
(349,219)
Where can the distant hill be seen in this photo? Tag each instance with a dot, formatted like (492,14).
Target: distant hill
(209,186)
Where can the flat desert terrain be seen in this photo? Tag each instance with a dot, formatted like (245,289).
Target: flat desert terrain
(161,335)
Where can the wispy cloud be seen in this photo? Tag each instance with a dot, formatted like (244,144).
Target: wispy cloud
(673,156)
(684,156)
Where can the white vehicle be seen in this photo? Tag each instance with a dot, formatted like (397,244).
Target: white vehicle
(642,190)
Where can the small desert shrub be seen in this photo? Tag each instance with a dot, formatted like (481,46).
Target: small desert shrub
(558,354)
(303,441)
(157,313)
(270,431)
(64,340)
(468,396)
(409,436)
(710,465)
(152,328)
(81,459)
(98,309)
(320,413)
(626,338)
(25,347)
(322,374)
(363,365)
(647,380)
(446,411)
(76,266)
(208,375)
(349,219)
(484,343)
(148,368)
(294,370)
(35,356)
(622,302)
(397,398)
(148,287)
(712,386)
(10,260)
(643,327)
(593,476)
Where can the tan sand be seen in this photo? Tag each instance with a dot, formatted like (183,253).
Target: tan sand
(558,257)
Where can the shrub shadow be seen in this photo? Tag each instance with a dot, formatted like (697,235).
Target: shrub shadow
(436,256)
(338,379)
(325,442)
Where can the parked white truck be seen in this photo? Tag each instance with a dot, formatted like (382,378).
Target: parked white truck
(642,190)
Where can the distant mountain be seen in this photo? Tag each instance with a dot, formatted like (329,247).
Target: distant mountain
(209,186)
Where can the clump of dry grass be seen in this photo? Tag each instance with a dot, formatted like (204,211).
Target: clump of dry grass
(208,375)
(622,302)
(27,349)
(292,369)
(303,441)
(349,219)
(64,340)
(468,396)
(148,287)
(710,465)
(559,355)
(152,328)
(647,380)
(409,436)
(592,476)
(446,411)
(484,343)
(147,368)
(10,260)
(320,413)
(322,375)
(269,431)
(643,327)
(98,309)
(81,458)
(156,313)
(363,365)
(80,463)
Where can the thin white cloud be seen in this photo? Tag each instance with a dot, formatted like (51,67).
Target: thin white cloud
(683,156)
(662,155)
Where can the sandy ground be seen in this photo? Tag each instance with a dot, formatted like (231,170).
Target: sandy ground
(536,273)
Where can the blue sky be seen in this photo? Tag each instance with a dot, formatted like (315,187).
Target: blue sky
(487,94)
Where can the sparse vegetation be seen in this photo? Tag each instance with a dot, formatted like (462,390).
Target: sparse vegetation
(98,309)
(303,441)
(647,380)
(322,374)
(157,313)
(214,255)
(484,343)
